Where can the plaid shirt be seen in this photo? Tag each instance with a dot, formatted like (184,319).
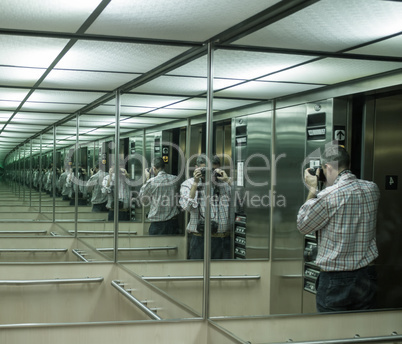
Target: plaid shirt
(160,193)
(196,206)
(123,191)
(94,185)
(344,216)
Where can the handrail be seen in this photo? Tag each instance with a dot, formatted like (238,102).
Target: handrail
(103,232)
(137,302)
(33,250)
(79,254)
(53,281)
(196,278)
(394,337)
(24,232)
(158,248)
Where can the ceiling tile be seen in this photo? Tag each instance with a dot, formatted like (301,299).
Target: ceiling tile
(331,71)
(117,57)
(238,64)
(50,96)
(389,47)
(148,100)
(83,80)
(25,77)
(15,94)
(174,113)
(50,107)
(176,19)
(66,16)
(265,90)
(185,86)
(330,25)
(35,52)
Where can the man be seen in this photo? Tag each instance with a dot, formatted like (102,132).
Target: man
(343,216)
(64,185)
(160,193)
(94,185)
(193,200)
(108,185)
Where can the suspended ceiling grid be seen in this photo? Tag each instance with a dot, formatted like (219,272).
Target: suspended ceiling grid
(63,57)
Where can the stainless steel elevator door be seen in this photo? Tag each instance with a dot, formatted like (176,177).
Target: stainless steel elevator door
(387,167)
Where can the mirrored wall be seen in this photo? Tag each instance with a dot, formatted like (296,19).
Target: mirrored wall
(86,190)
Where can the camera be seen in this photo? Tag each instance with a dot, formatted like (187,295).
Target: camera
(214,173)
(310,254)
(313,171)
(201,226)
(203,170)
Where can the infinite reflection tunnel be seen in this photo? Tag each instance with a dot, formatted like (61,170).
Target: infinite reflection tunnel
(102,86)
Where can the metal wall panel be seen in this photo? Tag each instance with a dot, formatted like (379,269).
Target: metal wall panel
(287,243)
(252,190)
(387,173)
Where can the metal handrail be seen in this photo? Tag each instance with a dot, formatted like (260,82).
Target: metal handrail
(137,302)
(33,250)
(196,278)
(53,281)
(158,248)
(79,254)
(23,232)
(103,232)
(394,337)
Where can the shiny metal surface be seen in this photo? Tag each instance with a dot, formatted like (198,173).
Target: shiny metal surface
(388,162)
(287,243)
(138,303)
(254,198)
(53,281)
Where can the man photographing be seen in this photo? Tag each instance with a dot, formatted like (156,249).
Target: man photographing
(193,200)
(344,217)
(159,191)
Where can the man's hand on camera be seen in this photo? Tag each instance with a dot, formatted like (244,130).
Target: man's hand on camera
(310,179)
(221,176)
(123,172)
(147,174)
(197,175)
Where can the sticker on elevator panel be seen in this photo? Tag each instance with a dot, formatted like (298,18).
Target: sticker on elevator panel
(391,182)
(340,134)
(240,173)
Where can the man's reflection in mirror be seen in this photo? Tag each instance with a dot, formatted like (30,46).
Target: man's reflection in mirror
(108,186)
(344,216)
(63,185)
(76,183)
(159,192)
(94,186)
(193,200)
(59,171)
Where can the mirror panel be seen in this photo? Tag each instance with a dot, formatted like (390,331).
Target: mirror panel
(165,132)
(95,226)
(65,155)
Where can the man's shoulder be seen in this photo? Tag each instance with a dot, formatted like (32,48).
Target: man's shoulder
(188,181)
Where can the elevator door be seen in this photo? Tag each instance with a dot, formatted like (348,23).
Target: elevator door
(387,174)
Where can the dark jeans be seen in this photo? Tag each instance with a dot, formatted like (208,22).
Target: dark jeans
(168,227)
(99,208)
(124,215)
(346,290)
(220,247)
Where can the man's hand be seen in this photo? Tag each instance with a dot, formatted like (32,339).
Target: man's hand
(197,175)
(311,182)
(147,174)
(222,176)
